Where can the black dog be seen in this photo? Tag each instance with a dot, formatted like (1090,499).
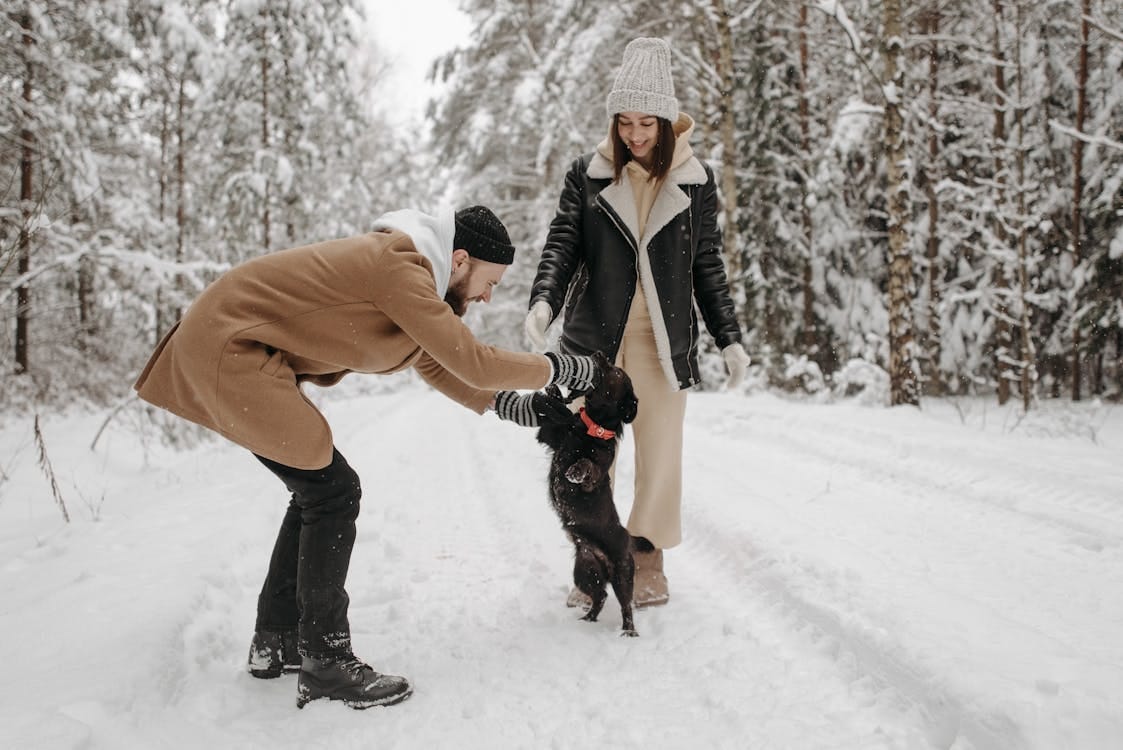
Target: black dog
(584,448)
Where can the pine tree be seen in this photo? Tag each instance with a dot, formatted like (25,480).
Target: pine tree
(127,132)
(159,142)
(288,113)
(1027,259)
(1102,212)
(52,50)
(930,345)
(1078,251)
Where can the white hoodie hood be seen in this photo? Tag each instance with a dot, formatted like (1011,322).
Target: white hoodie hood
(431,235)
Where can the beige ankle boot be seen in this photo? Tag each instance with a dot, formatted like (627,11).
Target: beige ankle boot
(651,584)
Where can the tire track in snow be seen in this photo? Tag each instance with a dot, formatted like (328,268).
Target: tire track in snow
(828,601)
(963,476)
(861,655)
(945,506)
(935,512)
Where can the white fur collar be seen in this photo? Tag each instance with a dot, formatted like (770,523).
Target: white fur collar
(690,172)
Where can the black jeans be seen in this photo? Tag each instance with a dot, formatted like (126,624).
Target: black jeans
(307,572)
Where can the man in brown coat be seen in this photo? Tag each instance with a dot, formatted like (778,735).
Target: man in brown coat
(376,303)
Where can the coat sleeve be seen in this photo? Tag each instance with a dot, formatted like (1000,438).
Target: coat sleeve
(452,386)
(561,255)
(404,291)
(711,286)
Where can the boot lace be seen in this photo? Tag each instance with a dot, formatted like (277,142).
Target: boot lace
(354,665)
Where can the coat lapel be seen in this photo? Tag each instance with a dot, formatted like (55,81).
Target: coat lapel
(669,203)
(620,197)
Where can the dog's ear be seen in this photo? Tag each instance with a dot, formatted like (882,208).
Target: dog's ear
(629,407)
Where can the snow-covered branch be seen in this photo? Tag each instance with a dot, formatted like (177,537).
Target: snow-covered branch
(145,261)
(745,14)
(1097,24)
(1089,138)
(834,9)
(553,88)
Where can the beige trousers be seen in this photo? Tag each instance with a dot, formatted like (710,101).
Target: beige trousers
(657,435)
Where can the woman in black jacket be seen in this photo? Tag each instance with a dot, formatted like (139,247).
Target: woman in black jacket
(632,253)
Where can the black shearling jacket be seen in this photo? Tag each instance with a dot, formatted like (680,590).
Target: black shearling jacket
(592,259)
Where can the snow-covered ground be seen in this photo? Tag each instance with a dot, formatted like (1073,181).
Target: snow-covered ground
(851,578)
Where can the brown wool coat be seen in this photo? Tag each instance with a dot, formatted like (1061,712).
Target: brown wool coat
(237,359)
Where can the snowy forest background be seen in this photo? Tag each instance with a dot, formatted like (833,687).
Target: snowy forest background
(929,192)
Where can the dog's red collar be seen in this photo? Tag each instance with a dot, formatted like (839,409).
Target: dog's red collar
(595,429)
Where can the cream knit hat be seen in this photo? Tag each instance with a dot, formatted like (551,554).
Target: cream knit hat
(644,82)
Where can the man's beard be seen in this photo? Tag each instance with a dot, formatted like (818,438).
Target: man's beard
(456,298)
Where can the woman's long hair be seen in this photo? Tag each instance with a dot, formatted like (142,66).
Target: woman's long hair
(661,155)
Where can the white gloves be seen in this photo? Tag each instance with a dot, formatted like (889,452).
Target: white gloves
(737,362)
(536,321)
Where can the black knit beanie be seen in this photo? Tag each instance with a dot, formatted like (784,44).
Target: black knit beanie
(483,235)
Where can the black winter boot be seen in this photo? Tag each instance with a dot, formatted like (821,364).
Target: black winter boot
(346,678)
(273,653)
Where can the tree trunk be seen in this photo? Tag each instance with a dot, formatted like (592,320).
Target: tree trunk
(165,147)
(27,164)
(265,122)
(87,304)
(291,196)
(1003,357)
(934,349)
(1119,359)
(810,336)
(902,368)
(728,129)
(165,140)
(1028,355)
(1078,187)
(181,188)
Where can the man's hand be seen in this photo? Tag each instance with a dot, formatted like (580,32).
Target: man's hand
(531,409)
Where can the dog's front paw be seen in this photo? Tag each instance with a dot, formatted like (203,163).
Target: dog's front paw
(629,634)
(583,472)
(575,474)
(579,471)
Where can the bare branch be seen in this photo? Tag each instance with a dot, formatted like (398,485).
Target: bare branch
(45,465)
